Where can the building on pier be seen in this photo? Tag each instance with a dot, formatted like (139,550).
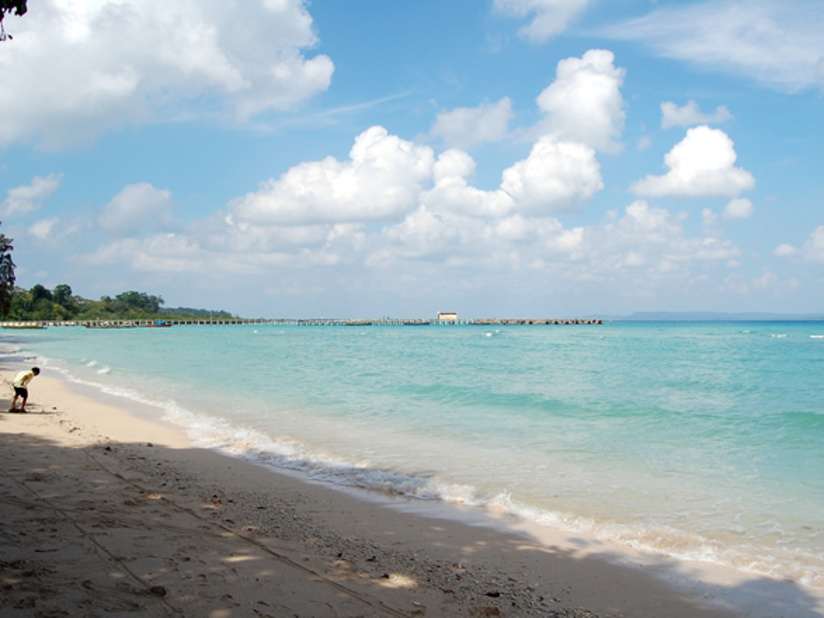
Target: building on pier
(447,316)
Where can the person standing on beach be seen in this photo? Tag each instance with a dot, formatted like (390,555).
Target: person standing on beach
(20,384)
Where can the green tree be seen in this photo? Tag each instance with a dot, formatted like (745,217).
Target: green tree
(42,309)
(39,292)
(7,6)
(62,295)
(20,304)
(6,274)
(140,301)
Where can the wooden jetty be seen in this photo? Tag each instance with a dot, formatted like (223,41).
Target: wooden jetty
(105,324)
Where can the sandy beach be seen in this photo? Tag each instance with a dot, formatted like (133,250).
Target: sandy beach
(106,513)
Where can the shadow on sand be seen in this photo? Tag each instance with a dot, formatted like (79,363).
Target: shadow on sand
(112,527)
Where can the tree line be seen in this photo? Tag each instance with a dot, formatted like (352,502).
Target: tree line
(61,305)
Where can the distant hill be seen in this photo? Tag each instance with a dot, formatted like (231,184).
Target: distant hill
(709,316)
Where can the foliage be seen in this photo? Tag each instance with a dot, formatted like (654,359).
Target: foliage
(18,7)
(7,6)
(6,274)
(195,313)
(60,304)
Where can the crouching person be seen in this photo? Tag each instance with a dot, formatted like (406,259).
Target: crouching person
(21,390)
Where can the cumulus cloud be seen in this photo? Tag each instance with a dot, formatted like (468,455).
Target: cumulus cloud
(28,198)
(42,229)
(690,115)
(465,127)
(137,208)
(382,179)
(765,40)
(584,103)
(785,250)
(452,192)
(165,253)
(555,176)
(647,226)
(652,239)
(386,178)
(434,238)
(79,68)
(643,239)
(702,164)
(424,234)
(551,17)
(739,208)
(811,251)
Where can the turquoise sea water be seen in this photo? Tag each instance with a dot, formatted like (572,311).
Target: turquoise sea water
(700,440)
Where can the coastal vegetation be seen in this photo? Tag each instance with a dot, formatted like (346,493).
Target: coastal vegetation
(61,304)
(6,274)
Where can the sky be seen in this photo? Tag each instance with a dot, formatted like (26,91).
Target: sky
(368,158)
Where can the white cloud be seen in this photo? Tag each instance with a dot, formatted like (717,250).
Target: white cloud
(424,235)
(645,242)
(79,68)
(163,253)
(690,115)
(53,233)
(42,229)
(382,180)
(136,208)
(584,103)
(775,42)
(643,249)
(811,251)
(465,127)
(702,164)
(654,239)
(551,16)
(22,200)
(708,217)
(765,282)
(785,250)
(474,245)
(646,226)
(739,208)
(554,177)
(452,193)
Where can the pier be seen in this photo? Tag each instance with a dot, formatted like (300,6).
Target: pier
(159,322)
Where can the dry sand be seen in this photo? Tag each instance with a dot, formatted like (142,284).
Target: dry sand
(104,513)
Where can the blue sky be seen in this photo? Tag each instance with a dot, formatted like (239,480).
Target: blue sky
(366,158)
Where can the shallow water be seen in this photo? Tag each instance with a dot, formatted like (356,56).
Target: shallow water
(701,440)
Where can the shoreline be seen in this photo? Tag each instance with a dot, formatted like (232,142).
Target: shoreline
(248,536)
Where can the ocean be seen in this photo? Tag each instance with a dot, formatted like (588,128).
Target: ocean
(698,440)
